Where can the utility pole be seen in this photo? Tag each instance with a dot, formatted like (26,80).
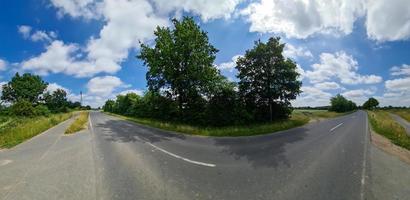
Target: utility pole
(81,98)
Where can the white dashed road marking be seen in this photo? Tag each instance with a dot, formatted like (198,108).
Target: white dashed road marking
(336,127)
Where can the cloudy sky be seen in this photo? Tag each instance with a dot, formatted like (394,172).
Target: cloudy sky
(359,48)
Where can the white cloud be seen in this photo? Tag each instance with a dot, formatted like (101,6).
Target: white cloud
(43,36)
(342,66)
(328,86)
(207,9)
(3,65)
(58,58)
(303,18)
(402,70)
(104,86)
(398,85)
(359,96)
(77,8)
(291,51)
(54,86)
(388,20)
(24,31)
(229,66)
(312,96)
(27,33)
(301,72)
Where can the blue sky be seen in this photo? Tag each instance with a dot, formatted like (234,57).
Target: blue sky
(359,48)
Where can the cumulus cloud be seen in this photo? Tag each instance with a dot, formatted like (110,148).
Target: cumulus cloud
(77,8)
(399,71)
(312,96)
(105,85)
(294,52)
(303,18)
(229,66)
(3,65)
(388,20)
(359,96)
(207,9)
(139,92)
(328,86)
(35,36)
(54,86)
(342,66)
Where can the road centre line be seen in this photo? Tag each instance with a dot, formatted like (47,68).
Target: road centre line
(182,158)
(336,127)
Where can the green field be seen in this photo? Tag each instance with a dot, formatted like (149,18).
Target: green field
(319,114)
(383,124)
(14,130)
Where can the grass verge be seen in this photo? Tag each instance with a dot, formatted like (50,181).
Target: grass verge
(79,123)
(383,124)
(255,129)
(20,129)
(318,114)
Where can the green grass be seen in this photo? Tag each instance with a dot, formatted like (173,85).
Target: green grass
(383,124)
(78,124)
(255,129)
(14,130)
(317,114)
(404,113)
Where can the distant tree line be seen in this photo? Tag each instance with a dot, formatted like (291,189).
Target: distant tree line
(185,86)
(26,95)
(340,104)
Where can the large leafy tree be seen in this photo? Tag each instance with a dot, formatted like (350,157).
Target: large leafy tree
(268,81)
(27,87)
(339,103)
(181,63)
(57,101)
(371,103)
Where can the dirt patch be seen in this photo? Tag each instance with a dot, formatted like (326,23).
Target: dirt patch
(390,148)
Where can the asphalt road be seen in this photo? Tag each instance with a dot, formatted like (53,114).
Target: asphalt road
(405,124)
(332,159)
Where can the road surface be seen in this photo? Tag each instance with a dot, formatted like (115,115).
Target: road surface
(405,124)
(117,159)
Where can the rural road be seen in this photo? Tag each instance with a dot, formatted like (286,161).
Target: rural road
(116,159)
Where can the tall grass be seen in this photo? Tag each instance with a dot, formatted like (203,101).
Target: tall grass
(79,123)
(320,113)
(383,124)
(21,129)
(404,113)
(245,130)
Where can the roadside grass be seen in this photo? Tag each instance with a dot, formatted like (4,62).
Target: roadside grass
(295,120)
(383,124)
(79,123)
(18,129)
(403,113)
(318,114)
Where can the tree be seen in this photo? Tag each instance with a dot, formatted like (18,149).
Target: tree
(181,64)
(268,81)
(340,104)
(109,106)
(27,87)
(371,104)
(57,101)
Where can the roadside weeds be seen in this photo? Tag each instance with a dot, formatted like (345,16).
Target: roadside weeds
(80,123)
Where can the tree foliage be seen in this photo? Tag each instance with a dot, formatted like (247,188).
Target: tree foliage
(181,64)
(268,81)
(340,104)
(27,87)
(370,104)
(57,101)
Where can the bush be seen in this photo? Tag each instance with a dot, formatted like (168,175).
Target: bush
(340,104)
(42,110)
(23,108)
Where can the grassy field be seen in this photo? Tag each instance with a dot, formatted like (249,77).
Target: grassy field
(318,114)
(14,130)
(79,123)
(295,121)
(404,113)
(383,124)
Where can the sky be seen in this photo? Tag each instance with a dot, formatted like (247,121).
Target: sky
(357,48)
